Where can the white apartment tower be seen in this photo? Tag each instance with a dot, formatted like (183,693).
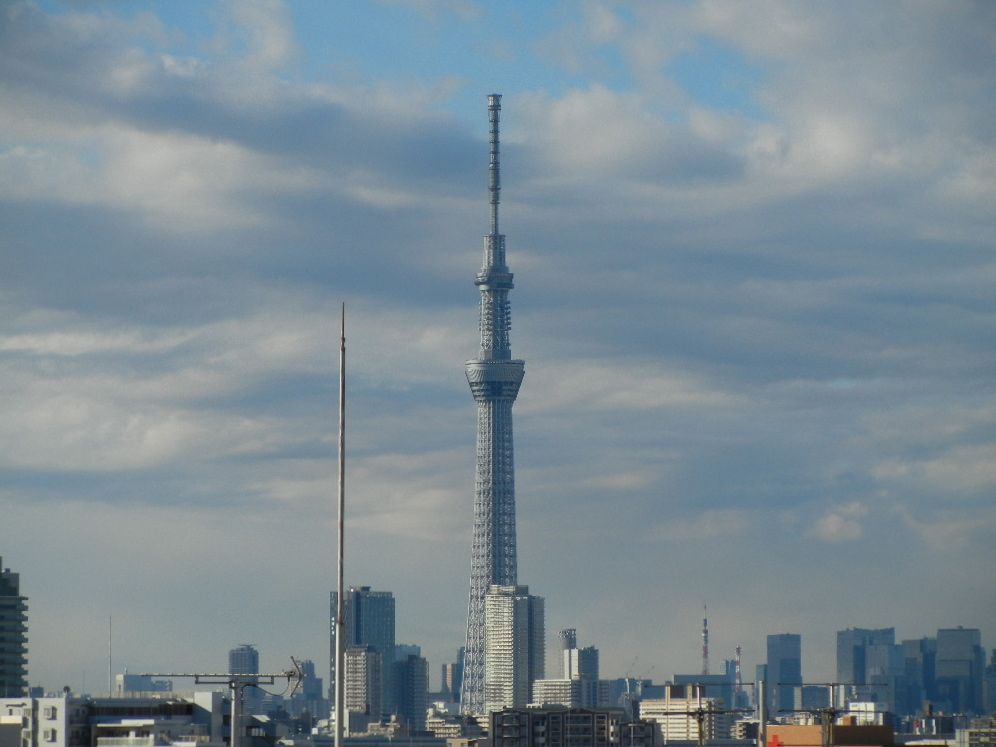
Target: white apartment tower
(515,652)
(362,681)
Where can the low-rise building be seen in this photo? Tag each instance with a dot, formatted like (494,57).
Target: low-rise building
(683,714)
(70,721)
(556,726)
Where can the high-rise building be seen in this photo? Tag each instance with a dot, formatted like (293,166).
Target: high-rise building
(919,667)
(871,661)
(852,652)
(761,675)
(362,686)
(568,639)
(578,684)
(369,618)
(960,663)
(515,646)
(310,694)
(494,378)
(453,676)
(717,687)
(411,686)
(244,659)
(989,685)
(784,671)
(13,635)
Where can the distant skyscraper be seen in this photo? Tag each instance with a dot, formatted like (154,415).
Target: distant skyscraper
(568,639)
(515,646)
(581,666)
(310,694)
(244,659)
(369,622)
(852,652)
(761,675)
(961,661)
(494,379)
(411,686)
(919,666)
(452,676)
(719,687)
(784,669)
(989,685)
(13,635)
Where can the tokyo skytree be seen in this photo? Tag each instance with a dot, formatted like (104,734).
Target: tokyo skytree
(494,379)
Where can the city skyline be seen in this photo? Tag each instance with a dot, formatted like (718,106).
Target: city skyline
(754,248)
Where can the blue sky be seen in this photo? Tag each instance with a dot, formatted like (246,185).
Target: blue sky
(754,258)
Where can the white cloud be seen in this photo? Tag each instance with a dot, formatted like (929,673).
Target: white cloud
(843,524)
(636,385)
(723,320)
(712,524)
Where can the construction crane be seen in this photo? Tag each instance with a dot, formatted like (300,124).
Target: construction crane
(237,683)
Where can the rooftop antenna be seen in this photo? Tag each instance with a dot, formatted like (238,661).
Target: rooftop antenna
(705,640)
(340,622)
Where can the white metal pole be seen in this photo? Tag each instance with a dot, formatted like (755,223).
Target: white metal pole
(340,627)
(762,714)
(234,725)
(110,659)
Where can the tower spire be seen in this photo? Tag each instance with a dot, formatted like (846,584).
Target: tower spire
(494,379)
(494,183)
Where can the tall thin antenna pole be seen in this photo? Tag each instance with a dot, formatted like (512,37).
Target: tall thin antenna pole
(340,622)
(494,185)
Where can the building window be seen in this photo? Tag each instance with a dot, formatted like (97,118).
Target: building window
(49,735)
(51,712)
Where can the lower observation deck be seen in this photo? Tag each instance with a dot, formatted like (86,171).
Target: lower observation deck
(494,379)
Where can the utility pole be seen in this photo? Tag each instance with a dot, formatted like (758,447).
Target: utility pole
(236,683)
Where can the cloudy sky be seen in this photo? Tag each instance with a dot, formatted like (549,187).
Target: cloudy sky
(755,257)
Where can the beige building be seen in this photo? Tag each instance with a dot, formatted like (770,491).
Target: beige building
(362,687)
(684,715)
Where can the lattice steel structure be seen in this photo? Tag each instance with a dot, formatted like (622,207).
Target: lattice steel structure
(494,379)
